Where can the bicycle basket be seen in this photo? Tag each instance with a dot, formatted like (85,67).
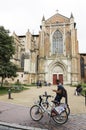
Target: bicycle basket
(63,105)
(59,109)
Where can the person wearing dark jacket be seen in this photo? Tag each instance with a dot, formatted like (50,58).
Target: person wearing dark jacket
(60,92)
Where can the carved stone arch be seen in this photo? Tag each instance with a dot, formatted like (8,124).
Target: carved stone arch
(57,63)
(59,29)
(57,68)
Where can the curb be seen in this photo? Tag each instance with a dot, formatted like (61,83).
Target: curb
(6,126)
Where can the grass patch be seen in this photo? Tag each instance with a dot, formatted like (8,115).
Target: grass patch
(4,90)
(30,85)
(15,88)
(83,92)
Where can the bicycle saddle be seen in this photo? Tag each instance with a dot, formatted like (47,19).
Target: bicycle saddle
(55,102)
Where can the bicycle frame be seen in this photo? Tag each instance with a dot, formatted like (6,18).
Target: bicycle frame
(40,104)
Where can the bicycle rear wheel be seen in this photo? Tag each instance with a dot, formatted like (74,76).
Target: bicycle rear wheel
(68,110)
(61,118)
(36,113)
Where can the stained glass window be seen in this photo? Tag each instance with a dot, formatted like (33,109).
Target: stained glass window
(57,43)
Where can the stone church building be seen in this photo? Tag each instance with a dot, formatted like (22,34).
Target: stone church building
(52,54)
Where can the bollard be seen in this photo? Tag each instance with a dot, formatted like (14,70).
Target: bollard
(9,94)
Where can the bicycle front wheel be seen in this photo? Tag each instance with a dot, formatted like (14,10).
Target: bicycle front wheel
(61,118)
(36,113)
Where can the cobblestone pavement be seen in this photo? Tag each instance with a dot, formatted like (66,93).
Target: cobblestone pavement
(20,115)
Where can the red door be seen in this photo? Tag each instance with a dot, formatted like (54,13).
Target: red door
(54,79)
(61,78)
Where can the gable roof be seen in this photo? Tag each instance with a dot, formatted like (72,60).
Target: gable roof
(57,18)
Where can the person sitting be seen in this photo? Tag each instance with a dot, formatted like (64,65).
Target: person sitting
(78,90)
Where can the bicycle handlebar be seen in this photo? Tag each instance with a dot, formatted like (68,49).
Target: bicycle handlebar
(45,95)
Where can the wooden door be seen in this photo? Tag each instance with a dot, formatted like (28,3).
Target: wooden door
(61,78)
(54,79)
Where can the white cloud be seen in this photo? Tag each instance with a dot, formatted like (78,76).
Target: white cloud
(21,15)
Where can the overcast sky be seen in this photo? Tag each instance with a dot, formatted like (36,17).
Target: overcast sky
(21,15)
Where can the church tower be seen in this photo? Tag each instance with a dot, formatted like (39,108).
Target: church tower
(74,52)
(41,69)
(58,50)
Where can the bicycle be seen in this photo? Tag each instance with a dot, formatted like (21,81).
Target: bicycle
(46,103)
(57,113)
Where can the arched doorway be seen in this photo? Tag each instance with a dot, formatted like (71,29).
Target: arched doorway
(57,73)
(57,70)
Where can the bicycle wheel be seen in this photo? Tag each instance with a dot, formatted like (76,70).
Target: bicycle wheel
(68,110)
(36,113)
(61,118)
(66,106)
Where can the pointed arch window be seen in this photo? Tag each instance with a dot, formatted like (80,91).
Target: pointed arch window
(57,42)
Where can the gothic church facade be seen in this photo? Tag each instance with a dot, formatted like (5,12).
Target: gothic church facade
(52,54)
